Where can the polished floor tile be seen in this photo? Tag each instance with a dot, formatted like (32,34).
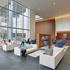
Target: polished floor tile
(8,61)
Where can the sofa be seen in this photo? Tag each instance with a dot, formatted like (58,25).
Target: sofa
(17,51)
(10,47)
(7,47)
(60,43)
(52,61)
(29,48)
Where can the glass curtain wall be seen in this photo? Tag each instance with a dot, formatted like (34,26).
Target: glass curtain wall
(14,21)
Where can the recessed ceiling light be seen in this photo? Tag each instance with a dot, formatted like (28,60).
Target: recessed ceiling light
(38,9)
(54,3)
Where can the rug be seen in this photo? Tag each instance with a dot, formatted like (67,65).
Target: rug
(36,53)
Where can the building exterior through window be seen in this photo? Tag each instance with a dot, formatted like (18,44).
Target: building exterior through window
(14,21)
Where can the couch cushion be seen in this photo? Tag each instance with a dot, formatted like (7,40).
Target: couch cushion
(60,44)
(33,42)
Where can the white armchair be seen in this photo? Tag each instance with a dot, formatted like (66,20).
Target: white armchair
(7,47)
(29,48)
(52,61)
(17,51)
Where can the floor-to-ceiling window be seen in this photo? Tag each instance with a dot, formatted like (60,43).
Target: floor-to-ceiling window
(14,21)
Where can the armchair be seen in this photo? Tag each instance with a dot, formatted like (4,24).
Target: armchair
(52,61)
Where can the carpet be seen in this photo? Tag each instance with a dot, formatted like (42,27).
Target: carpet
(36,53)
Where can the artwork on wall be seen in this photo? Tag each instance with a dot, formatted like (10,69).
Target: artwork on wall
(43,39)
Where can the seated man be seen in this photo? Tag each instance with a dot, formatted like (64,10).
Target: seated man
(23,48)
(29,41)
(49,50)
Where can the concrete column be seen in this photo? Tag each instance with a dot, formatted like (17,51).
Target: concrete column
(32,24)
(10,21)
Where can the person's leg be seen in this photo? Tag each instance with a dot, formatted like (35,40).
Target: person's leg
(23,52)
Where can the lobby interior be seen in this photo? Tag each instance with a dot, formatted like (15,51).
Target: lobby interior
(37,23)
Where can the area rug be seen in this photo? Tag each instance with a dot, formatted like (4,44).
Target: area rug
(36,53)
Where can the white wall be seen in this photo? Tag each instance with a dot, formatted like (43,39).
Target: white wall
(63,24)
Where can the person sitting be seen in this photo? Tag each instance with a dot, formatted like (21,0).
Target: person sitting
(45,42)
(23,48)
(9,42)
(22,45)
(29,41)
(49,50)
(4,42)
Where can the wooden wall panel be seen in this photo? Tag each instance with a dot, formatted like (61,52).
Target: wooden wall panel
(46,27)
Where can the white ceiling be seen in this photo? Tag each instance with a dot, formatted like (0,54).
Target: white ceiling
(45,8)
(48,8)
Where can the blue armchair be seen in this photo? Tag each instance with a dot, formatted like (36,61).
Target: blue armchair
(60,43)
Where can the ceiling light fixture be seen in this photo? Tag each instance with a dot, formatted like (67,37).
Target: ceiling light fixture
(54,3)
(38,9)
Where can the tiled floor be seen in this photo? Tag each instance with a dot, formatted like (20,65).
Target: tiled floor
(8,61)
(65,63)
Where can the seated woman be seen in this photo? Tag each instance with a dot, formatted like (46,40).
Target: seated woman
(9,42)
(49,50)
(4,42)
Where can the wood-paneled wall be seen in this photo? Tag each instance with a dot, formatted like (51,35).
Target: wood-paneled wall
(46,26)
